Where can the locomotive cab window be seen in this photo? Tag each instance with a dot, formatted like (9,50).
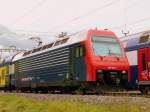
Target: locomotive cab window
(105,46)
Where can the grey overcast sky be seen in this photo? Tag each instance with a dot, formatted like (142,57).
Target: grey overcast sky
(49,17)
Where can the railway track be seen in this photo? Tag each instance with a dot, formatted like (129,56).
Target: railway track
(127,93)
(90,99)
(124,93)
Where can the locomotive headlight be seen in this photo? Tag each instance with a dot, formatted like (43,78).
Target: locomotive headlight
(136,81)
(123,72)
(99,71)
(124,75)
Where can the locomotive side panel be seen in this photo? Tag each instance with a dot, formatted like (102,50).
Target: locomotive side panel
(52,68)
(44,69)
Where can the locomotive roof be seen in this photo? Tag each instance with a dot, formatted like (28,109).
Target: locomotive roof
(139,40)
(60,42)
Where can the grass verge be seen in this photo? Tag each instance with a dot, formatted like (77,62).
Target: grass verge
(21,104)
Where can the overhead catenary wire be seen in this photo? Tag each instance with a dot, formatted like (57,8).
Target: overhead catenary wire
(67,22)
(120,26)
(25,14)
(86,14)
(113,28)
(132,23)
(89,13)
(32,31)
(79,17)
(136,33)
(74,19)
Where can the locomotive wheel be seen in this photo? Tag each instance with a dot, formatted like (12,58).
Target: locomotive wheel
(80,92)
(144,91)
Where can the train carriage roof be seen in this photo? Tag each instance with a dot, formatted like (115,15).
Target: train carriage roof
(60,42)
(137,41)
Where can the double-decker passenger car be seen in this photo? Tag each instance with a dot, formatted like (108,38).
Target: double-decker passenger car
(88,59)
(138,50)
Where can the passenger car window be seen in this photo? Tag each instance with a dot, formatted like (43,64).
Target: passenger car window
(144,39)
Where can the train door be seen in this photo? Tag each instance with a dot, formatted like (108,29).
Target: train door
(144,65)
(78,64)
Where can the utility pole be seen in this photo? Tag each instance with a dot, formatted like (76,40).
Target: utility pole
(125,31)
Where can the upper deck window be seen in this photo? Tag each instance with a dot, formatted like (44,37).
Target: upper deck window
(105,46)
(144,39)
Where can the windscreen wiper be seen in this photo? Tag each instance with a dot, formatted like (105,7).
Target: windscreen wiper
(109,51)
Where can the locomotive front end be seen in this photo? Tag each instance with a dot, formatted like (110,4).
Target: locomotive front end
(109,63)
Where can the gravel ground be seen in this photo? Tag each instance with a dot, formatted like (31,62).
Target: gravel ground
(90,99)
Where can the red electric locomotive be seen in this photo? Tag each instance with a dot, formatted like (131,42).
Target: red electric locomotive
(91,59)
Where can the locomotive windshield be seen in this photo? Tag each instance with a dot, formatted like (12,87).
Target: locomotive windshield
(105,46)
